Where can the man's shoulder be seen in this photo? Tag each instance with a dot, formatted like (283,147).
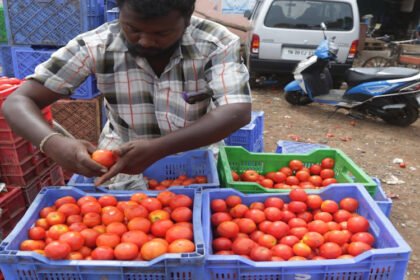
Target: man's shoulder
(206,30)
(103,35)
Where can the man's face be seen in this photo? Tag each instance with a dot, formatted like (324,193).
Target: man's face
(153,37)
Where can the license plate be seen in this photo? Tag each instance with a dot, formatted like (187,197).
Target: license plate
(296,53)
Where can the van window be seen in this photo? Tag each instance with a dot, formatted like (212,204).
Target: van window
(297,14)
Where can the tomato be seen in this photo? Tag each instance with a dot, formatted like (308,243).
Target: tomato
(117,228)
(295,164)
(274,202)
(89,236)
(218,205)
(287,215)
(318,226)
(283,251)
(157,215)
(46,210)
(37,233)
(289,240)
(74,219)
(267,240)
(278,229)
(103,253)
(297,206)
(151,204)
(350,204)
(313,239)
(233,200)
(267,183)
(85,199)
(315,169)
(57,250)
(153,249)
(316,180)
(55,218)
(292,180)
(357,224)
(92,219)
(273,214)
(77,227)
(228,229)
(336,236)
(136,237)
(329,206)
(139,223)
(180,200)
(242,246)
(365,237)
(330,250)
(218,218)
(342,215)
(328,181)
(356,248)
(107,200)
(238,211)
(63,200)
(303,175)
(256,215)
(298,195)
(31,245)
(113,215)
(327,163)
(74,239)
(286,171)
(296,222)
(55,231)
(235,176)
(260,253)
(327,173)
(323,216)
(246,225)
(108,239)
(181,246)
(91,206)
(301,249)
(250,176)
(126,251)
(222,243)
(105,158)
(69,209)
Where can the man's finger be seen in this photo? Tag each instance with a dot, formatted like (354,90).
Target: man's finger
(114,170)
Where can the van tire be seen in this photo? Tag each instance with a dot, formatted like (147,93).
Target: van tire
(296,98)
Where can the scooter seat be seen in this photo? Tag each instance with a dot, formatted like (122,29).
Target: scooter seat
(355,76)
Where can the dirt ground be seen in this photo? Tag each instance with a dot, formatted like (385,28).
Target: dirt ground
(371,144)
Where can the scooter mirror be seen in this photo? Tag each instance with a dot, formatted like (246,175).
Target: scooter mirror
(323,26)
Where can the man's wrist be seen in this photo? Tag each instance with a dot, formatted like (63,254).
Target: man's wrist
(46,139)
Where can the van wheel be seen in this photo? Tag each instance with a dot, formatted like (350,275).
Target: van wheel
(296,98)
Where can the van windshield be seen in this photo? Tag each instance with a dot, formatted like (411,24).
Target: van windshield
(297,14)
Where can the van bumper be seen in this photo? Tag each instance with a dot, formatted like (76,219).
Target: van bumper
(270,66)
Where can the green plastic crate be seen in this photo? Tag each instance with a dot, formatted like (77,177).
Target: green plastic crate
(3,34)
(238,159)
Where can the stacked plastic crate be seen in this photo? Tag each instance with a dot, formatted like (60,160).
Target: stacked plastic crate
(21,163)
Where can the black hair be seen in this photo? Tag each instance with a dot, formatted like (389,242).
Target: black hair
(157,8)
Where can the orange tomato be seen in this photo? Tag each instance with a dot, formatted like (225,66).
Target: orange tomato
(106,158)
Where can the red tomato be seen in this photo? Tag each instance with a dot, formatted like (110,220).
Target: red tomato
(329,206)
(316,180)
(365,237)
(235,176)
(243,246)
(250,176)
(104,157)
(233,200)
(350,204)
(279,177)
(286,171)
(267,240)
(256,215)
(246,225)
(289,240)
(267,183)
(327,163)
(298,195)
(356,248)
(218,218)
(228,229)
(222,243)
(313,239)
(278,229)
(327,173)
(295,164)
(303,175)
(297,206)
(342,215)
(238,211)
(259,253)
(57,250)
(314,201)
(330,250)
(357,224)
(181,246)
(274,202)
(273,214)
(108,239)
(301,249)
(160,228)
(135,236)
(315,169)
(218,205)
(103,253)
(323,216)
(336,236)
(292,180)
(153,249)
(328,181)
(297,222)
(318,226)
(126,251)
(151,204)
(37,233)
(181,214)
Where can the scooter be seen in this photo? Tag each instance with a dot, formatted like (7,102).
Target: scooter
(390,93)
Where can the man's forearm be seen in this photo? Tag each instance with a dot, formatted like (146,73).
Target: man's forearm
(213,127)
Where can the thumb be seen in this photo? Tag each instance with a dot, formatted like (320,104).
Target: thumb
(89,146)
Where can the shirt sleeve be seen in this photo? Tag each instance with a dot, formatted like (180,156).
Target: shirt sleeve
(228,76)
(66,69)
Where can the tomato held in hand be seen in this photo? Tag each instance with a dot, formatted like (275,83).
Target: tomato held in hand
(104,157)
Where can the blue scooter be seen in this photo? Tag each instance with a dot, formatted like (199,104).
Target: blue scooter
(390,93)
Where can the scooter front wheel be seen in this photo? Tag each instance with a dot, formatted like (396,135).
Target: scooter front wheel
(296,98)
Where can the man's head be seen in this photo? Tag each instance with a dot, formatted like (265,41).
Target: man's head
(153,28)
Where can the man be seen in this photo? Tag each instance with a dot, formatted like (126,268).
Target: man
(171,82)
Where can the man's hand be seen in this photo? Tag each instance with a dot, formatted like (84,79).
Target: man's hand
(74,155)
(133,158)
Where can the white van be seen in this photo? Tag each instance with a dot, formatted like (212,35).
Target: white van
(283,32)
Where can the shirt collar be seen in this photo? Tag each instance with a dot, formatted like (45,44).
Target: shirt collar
(188,47)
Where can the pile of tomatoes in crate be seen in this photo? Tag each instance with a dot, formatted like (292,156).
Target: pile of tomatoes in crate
(181,180)
(295,175)
(306,228)
(104,228)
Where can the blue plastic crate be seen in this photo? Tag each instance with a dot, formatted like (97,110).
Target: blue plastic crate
(191,163)
(110,4)
(50,22)
(21,265)
(293,147)
(387,262)
(383,201)
(6,61)
(112,14)
(25,60)
(251,136)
